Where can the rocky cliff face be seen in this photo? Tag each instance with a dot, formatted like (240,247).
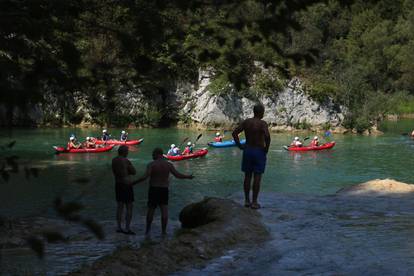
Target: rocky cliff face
(286,109)
(179,102)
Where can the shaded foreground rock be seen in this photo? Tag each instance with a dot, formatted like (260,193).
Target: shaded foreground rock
(223,224)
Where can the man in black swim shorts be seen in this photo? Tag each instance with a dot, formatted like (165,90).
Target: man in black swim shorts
(159,171)
(124,193)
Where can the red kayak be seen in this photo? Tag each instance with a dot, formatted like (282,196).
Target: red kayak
(95,150)
(328,145)
(196,154)
(117,142)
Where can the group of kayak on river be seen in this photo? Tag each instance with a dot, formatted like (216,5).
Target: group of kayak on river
(90,142)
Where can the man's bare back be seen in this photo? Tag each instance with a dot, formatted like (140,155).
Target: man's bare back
(256,131)
(122,169)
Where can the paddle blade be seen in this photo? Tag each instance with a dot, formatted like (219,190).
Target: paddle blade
(199,136)
(306,138)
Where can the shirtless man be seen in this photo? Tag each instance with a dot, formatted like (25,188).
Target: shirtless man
(159,171)
(122,169)
(254,152)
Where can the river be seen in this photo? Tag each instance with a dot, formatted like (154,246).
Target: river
(87,177)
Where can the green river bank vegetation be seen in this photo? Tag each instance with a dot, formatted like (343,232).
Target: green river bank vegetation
(359,53)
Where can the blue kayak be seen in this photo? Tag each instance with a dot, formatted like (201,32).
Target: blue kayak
(226,144)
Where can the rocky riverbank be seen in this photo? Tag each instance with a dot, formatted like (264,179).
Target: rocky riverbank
(364,229)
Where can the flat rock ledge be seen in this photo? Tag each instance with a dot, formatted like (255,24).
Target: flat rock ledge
(208,229)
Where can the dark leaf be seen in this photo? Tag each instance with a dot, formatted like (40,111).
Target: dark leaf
(34,172)
(5,175)
(95,228)
(11,144)
(82,180)
(37,246)
(237,43)
(11,161)
(53,237)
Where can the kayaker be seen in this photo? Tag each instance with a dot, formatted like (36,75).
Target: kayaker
(412,134)
(296,142)
(174,150)
(73,143)
(158,172)
(105,135)
(314,142)
(90,143)
(218,138)
(254,152)
(124,193)
(188,149)
(124,136)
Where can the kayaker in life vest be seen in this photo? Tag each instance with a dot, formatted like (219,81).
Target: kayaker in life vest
(314,142)
(296,142)
(218,138)
(73,144)
(188,149)
(174,150)
(105,135)
(124,136)
(90,143)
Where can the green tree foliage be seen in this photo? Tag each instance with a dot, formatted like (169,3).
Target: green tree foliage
(352,51)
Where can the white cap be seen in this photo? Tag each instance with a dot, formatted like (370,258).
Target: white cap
(296,138)
(189,144)
(217,133)
(315,138)
(88,138)
(172,146)
(104,131)
(72,138)
(123,132)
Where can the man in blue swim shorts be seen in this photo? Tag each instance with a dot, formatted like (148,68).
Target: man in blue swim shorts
(254,152)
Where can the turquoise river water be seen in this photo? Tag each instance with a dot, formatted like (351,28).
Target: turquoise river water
(354,159)
(88,177)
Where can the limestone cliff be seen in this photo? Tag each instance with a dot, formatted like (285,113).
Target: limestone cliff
(178,102)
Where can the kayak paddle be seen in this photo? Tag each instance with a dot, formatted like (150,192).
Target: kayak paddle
(186,138)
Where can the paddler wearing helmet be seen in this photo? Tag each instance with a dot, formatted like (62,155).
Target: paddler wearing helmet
(296,142)
(124,136)
(73,143)
(218,137)
(188,149)
(105,135)
(314,142)
(174,150)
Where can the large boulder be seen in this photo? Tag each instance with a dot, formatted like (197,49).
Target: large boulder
(218,225)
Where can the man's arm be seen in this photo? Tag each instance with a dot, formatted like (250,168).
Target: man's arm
(178,174)
(236,133)
(144,177)
(266,137)
(131,169)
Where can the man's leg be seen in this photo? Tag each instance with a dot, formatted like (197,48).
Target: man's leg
(119,211)
(150,216)
(246,186)
(128,216)
(256,189)
(164,218)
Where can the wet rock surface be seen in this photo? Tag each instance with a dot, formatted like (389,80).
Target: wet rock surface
(232,225)
(355,232)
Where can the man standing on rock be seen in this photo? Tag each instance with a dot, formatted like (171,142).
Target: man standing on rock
(124,193)
(254,152)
